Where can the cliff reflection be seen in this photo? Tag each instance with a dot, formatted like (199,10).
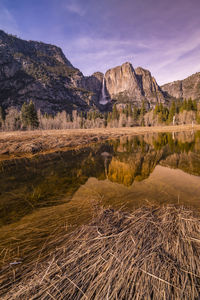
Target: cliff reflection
(136,157)
(47,180)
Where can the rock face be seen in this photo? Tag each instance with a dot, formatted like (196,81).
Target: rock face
(93,83)
(125,84)
(41,72)
(122,79)
(150,89)
(184,89)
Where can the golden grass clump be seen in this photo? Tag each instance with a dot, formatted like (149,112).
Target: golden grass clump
(152,253)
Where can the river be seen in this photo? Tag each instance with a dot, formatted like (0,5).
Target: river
(44,196)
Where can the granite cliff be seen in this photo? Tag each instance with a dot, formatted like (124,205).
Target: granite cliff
(41,72)
(184,89)
(126,84)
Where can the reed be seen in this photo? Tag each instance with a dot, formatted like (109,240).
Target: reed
(151,253)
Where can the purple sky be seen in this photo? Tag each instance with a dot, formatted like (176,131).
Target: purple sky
(95,35)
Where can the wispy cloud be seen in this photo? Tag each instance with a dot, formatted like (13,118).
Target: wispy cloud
(99,54)
(167,58)
(161,36)
(175,58)
(75,7)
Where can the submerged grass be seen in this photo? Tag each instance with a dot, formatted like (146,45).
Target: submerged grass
(152,253)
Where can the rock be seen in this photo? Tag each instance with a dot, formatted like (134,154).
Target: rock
(150,89)
(184,89)
(41,72)
(125,84)
(122,81)
(93,83)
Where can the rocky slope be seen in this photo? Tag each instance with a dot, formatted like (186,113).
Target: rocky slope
(184,89)
(125,84)
(38,71)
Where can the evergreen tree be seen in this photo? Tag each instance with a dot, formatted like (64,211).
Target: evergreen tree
(172,112)
(142,122)
(189,104)
(105,119)
(198,118)
(185,104)
(160,117)
(126,110)
(2,116)
(156,109)
(82,120)
(33,118)
(195,105)
(129,110)
(115,113)
(143,110)
(29,116)
(94,115)
(135,113)
(178,106)
(109,118)
(165,114)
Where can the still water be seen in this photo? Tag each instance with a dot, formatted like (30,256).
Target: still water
(47,195)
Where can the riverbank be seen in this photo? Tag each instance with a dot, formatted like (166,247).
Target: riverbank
(30,142)
(151,253)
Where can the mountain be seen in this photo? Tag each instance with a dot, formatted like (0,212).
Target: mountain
(124,83)
(184,89)
(41,72)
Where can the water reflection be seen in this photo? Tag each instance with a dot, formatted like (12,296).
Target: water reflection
(52,193)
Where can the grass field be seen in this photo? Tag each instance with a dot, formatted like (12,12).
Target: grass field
(23,142)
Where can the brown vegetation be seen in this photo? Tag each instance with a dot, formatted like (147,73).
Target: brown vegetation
(152,253)
(19,142)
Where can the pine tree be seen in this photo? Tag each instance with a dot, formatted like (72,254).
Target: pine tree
(114,112)
(33,118)
(172,112)
(185,104)
(194,105)
(105,119)
(189,104)
(156,109)
(143,110)
(135,114)
(2,116)
(29,116)
(109,118)
(129,110)
(82,120)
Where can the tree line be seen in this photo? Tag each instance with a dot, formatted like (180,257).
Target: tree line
(127,115)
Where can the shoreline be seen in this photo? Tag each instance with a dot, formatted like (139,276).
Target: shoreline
(21,143)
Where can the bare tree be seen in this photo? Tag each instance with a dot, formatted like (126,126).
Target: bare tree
(12,120)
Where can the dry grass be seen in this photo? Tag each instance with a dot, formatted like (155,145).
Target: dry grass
(41,141)
(153,253)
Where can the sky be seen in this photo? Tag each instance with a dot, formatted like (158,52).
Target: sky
(162,36)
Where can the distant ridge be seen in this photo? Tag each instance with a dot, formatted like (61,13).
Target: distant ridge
(184,89)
